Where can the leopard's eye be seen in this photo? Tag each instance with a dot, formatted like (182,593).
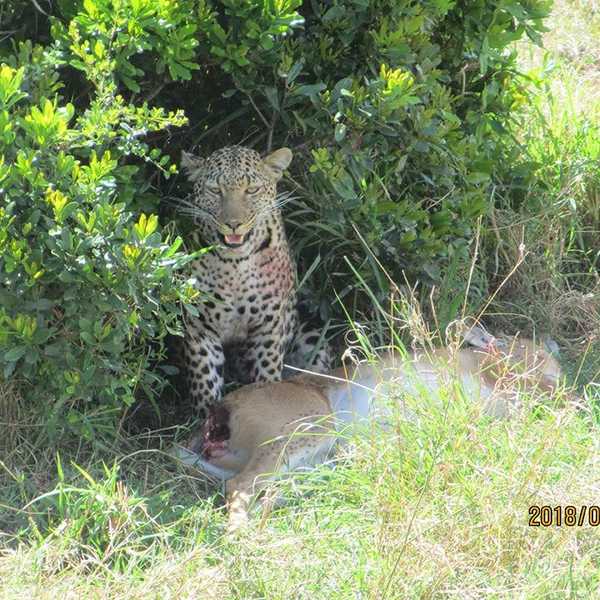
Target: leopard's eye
(213,189)
(253,189)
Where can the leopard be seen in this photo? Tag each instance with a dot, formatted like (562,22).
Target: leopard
(247,326)
(310,415)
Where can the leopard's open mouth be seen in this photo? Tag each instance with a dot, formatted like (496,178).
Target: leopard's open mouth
(233,240)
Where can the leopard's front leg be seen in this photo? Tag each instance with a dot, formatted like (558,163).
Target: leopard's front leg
(205,361)
(267,344)
(265,356)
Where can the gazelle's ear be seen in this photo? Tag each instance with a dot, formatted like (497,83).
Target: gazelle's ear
(551,346)
(192,165)
(477,336)
(276,163)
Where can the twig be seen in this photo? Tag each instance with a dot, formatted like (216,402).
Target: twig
(7,34)
(271,129)
(258,111)
(520,260)
(499,246)
(274,122)
(157,90)
(39,8)
(472,268)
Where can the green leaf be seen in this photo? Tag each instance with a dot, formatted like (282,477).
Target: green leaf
(310,90)
(272,96)
(334,13)
(294,71)
(172,249)
(88,338)
(340,132)
(15,353)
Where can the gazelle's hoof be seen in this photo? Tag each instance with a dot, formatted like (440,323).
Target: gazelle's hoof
(237,522)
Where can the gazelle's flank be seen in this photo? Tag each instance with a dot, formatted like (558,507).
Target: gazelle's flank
(263,429)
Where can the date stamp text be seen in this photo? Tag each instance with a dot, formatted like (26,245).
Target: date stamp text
(570,516)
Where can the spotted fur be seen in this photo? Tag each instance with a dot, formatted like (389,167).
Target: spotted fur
(249,278)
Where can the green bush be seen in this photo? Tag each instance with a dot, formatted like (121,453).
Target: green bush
(89,282)
(395,110)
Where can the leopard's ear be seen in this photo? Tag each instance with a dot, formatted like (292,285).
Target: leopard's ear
(276,163)
(192,165)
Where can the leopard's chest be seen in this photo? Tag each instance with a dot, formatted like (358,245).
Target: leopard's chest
(244,290)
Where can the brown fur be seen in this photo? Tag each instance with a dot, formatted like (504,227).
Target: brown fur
(269,422)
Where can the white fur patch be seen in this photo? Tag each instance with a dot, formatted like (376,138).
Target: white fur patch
(191,459)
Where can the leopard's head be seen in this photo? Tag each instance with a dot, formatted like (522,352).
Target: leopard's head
(234,190)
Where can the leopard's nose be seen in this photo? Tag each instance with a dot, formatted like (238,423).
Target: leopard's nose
(233,224)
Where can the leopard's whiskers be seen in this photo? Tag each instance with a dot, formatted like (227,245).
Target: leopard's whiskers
(280,201)
(186,207)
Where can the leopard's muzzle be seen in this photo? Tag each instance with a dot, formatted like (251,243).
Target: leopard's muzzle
(233,240)
(234,235)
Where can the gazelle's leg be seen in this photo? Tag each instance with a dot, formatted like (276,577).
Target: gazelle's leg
(239,490)
(295,451)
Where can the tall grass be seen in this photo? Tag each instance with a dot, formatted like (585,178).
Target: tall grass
(563,137)
(432,508)
(551,216)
